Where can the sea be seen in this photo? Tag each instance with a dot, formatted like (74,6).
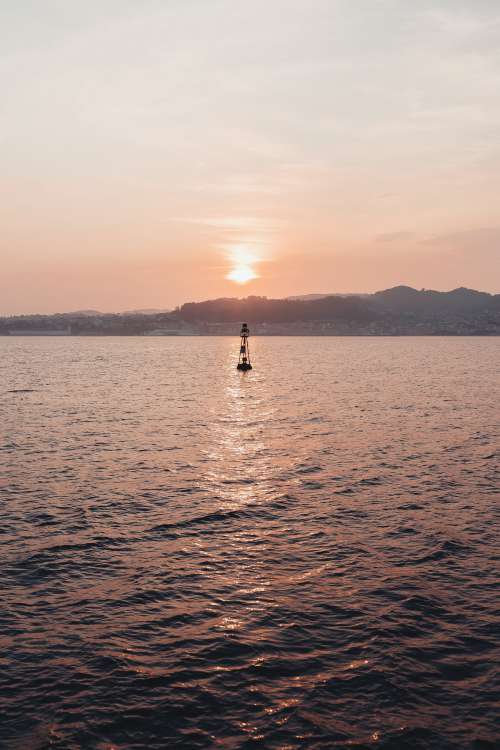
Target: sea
(306,555)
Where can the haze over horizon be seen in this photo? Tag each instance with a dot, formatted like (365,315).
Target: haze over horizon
(158,153)
(243,298)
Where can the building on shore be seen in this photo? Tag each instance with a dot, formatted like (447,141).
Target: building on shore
(39,332)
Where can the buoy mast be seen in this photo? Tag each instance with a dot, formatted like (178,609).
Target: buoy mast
(244,360)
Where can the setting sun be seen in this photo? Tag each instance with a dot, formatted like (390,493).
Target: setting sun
(242,261)
(242,274)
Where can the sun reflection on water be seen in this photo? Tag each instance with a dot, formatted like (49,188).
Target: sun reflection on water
(240,463)
(241,475)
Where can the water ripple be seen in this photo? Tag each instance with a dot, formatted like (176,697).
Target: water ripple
(194,558)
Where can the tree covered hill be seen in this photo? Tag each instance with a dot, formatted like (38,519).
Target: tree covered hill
(400,300)
(400,310)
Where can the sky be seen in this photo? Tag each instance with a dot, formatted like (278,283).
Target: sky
(155,152)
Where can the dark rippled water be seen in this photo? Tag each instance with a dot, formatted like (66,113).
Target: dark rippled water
(304,556)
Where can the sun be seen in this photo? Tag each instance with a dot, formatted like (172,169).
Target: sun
(242,259)
(242,274)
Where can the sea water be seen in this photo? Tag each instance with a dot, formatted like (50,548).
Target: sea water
(302,556)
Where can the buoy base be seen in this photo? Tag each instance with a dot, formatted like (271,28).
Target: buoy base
(244,366)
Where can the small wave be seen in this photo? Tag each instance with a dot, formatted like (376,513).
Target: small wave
(306,469)
(23,390)
(203,520)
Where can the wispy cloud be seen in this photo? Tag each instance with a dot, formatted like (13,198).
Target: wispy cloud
(469,239)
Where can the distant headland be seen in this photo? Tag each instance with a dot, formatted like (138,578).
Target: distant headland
(400,311)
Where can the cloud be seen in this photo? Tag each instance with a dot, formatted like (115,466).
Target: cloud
(485,238)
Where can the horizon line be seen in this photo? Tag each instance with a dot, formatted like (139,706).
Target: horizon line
(293,297)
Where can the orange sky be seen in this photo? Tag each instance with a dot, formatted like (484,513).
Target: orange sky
(152,150)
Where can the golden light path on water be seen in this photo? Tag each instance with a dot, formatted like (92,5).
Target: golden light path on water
(241,476)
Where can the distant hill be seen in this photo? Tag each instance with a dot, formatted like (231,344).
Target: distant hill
(310,297)
(262,309)
(428,302)
(401,310)
(89,313)
(146,311)
(400,300)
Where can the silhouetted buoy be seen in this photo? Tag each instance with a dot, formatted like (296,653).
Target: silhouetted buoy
(244,360)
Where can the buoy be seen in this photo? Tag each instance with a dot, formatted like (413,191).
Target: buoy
(244,360)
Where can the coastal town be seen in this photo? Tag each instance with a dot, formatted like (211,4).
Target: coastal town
(400,311)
